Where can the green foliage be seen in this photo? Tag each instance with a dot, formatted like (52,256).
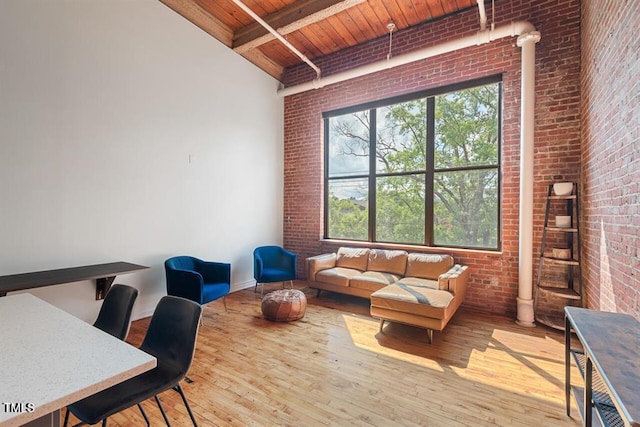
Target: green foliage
(401,137)
(347,219)
(400,209)
(465,200)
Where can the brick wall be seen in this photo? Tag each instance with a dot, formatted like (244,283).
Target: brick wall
(494,277)
(611,154)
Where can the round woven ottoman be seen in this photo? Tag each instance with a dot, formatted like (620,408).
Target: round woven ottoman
(284,305)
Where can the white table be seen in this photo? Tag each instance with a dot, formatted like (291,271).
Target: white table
(49,359)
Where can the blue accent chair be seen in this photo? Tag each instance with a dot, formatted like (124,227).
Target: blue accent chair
(197,280)
(273,264)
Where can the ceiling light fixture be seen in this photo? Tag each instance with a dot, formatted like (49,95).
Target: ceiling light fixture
(390,27)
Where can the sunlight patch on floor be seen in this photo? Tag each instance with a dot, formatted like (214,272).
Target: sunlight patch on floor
(364,334)
(510,363)
(502,363)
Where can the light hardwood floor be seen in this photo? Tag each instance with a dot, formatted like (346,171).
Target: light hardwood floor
(334,368)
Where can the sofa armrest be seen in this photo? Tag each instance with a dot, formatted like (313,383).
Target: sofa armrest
(455,280)
(318,263)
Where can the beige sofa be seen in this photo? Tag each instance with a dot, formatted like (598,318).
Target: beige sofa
(418,289)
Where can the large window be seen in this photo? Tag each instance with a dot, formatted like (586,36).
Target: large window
(422,170)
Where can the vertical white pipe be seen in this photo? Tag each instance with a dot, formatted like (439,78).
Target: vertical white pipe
(483,15)
(525,315)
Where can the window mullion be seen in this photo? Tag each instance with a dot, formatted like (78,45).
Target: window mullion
(372,175)
(429,173)
(326,177)
(499,204)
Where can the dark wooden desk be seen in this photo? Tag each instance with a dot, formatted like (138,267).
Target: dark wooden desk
(104,275)
(610,364)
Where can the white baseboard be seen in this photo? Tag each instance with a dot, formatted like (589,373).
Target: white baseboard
(147,311)
(235,287)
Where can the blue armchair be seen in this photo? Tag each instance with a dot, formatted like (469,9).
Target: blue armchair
(197,280)
(273,264)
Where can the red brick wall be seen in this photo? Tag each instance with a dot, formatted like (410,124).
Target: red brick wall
(611,154)
(494,277)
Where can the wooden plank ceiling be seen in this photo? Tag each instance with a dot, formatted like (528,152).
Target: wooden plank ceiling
(314,27)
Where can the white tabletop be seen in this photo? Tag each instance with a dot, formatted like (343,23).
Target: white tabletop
(50,358)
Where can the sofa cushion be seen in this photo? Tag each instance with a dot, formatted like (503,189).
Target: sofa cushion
(355,258)
(373,280)
(365,285)
(338,276)
(413,299)
(419,282)
(387,261)
(428,266)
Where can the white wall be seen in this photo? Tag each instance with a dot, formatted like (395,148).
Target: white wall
(127,133)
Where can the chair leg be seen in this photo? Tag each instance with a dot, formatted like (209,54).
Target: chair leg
(429,336)
(224,301)
(164,415)
(186,404)
(381,325)
(291,281)
(104,422)
(66,420)
(144,415)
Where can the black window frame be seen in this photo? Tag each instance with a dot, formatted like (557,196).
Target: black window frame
(430,169)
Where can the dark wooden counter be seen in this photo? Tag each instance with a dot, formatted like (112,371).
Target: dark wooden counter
(611,343)
(104,275)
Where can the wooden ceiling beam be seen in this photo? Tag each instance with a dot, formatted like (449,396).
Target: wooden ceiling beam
(199,16)
(287,20)
(265,63)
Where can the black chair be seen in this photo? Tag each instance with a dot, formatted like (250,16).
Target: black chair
(114,317)
(115,314)
(171,338)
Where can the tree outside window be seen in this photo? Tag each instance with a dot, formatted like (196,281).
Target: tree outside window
(434,177)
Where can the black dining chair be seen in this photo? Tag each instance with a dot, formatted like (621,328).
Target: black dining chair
(171,338)
(115,314)
(114,317)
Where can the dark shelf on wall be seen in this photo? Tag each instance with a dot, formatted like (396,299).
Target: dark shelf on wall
(103,274)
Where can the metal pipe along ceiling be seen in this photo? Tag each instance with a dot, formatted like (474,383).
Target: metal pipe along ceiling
(277,35)
(481,37)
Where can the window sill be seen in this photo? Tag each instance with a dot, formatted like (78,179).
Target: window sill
(413,248)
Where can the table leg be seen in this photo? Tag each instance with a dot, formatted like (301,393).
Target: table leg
(567,365)
(49,420)
(588,391)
